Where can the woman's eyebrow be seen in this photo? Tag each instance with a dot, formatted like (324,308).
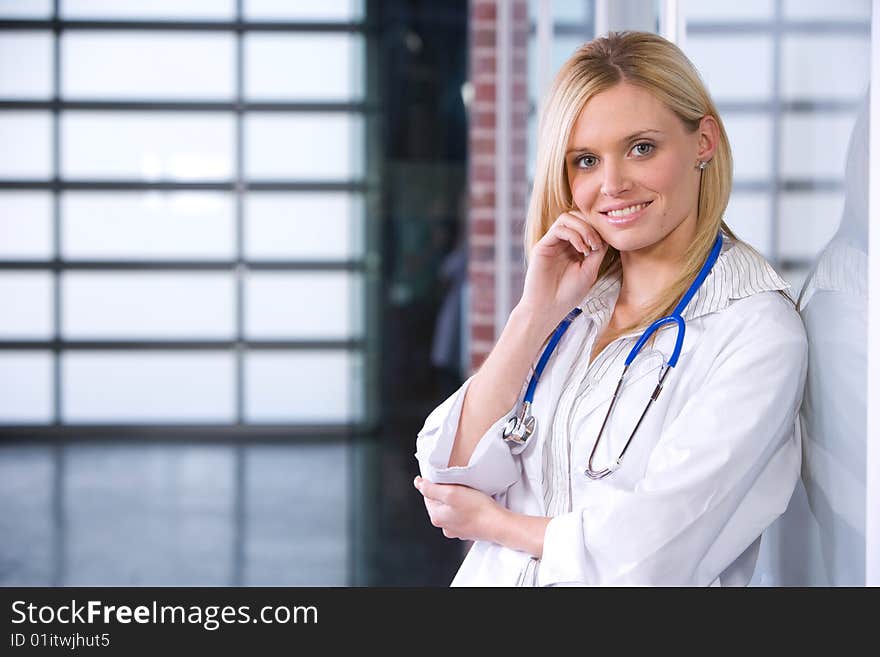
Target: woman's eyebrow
(622,141)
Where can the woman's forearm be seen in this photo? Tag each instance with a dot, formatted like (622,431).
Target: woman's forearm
(521,532)
(494,389)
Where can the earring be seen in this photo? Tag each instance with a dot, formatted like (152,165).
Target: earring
(702,165)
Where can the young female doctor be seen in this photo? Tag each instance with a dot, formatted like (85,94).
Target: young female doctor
(597,445)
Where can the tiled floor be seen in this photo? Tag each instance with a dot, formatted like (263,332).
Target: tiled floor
(172,514)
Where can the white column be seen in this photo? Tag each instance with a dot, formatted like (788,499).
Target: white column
(503,172)
(672,26)
(543,50)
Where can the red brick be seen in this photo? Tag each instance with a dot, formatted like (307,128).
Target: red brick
(483,119)
(483,303)
(520,115)
(483,172)
(483,254)
(483,9)
(482,332)
(483,227)
(483,38)
(482,196)
(481,146)
(483,64)
(484,92)
(477,360)
(482,209)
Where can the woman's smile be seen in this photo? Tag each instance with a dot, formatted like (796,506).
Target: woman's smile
(623,216)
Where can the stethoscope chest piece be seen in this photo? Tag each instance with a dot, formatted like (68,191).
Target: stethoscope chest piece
(519,429)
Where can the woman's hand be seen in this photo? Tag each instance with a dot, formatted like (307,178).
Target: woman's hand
(460,511)
(563,265)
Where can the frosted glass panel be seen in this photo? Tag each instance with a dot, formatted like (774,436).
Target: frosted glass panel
(301,305)
(148,386)
(748,215)
(565,11)
(151,225)
(159,146)
(26,300)
(148,305)
(563,45)
(219,9)
(719,10)
(25,8)
(304,10)
(808,221)
(818,9)
(25,226)
(814,145)
(752,144)
(304,66)
(747,76)
(26,387)
(154,65)
(311,226)
(27,145)
(280,386)
(821,67)
(304,147)
(33,80)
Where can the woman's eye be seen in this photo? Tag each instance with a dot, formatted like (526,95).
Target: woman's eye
(586,161)
(643,149)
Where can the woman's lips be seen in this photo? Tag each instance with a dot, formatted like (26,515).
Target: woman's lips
(626,219)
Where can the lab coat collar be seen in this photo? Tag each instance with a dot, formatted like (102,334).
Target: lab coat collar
(739,273)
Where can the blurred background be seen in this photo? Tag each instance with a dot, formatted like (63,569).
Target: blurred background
(246,246)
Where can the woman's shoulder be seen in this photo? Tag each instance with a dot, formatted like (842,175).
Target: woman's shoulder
(760,319)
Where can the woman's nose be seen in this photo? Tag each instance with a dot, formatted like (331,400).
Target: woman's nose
(615,180)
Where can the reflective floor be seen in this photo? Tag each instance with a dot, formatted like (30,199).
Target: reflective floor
(215,515)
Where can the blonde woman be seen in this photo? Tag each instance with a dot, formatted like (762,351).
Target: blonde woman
(665,471)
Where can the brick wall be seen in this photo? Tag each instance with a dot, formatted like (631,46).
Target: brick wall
(483,215)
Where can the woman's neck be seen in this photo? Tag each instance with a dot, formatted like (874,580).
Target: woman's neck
(648,271)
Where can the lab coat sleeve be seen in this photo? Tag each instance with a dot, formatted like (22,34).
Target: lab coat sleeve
(724,468)
(493,466)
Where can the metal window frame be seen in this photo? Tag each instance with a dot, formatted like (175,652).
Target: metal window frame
(368,187)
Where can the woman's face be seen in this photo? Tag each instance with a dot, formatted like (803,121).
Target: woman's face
(632,168)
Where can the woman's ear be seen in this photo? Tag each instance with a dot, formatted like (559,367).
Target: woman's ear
(709,135)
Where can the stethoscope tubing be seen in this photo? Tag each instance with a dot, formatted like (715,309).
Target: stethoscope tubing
(520,428)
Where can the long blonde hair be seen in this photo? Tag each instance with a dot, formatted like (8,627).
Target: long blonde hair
(659,66)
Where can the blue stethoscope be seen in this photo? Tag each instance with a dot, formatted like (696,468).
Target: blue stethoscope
(519,428)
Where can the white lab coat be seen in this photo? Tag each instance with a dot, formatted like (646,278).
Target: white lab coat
(713,464)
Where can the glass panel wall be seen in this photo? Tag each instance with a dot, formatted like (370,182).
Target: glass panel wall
(795,101)
(187,177)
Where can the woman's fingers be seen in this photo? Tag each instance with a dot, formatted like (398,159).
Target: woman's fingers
(563,232)
(588,235)
(428,490)
(591,235)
